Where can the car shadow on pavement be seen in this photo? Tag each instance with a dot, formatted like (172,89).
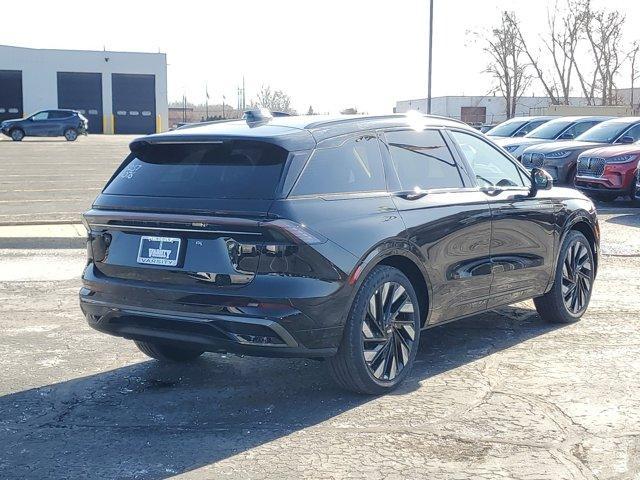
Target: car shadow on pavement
(153,421)
(629,220)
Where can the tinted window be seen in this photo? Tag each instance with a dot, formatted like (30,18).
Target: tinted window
(605,132)
(235,169)
(58,114)
(353,166)
(582,127)
(506,129)
(634,133)
(530,127)
(489,165)
(423,160)
(550,130)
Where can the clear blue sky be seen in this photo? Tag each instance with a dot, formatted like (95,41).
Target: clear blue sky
(331,54)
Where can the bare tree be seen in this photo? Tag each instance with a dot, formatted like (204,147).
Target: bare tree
(274,100)
(506,49)
(603,30)
(635,73)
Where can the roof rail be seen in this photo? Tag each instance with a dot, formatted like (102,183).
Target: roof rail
(377,117)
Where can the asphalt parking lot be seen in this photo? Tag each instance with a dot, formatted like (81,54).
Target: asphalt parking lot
(47,180)
(499,395)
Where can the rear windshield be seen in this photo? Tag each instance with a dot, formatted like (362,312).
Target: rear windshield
(231,169)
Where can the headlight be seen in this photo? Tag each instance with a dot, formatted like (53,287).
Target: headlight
(561,154)
(621,158)
(511,148)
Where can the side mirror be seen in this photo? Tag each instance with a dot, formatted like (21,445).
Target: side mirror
(626,140)
(566,136)
(540,180)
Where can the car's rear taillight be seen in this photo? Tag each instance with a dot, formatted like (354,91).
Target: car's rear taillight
(297,232)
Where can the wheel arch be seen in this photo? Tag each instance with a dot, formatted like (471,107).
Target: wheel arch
(584,223)
(406,260)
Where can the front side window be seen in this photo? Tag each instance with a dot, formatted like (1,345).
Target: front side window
(580,128)
(529,127)
(40,116)
(633,132)
(605,132)
(353,166)
(422,160)
(507,129)
(489,165)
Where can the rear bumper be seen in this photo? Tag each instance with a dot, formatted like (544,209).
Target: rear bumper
(232,321)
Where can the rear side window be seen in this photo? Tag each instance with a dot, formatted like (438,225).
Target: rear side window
(422,160)
(353,166)
(234,169)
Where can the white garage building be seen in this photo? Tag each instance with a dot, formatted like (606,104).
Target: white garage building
(479,109)
(119,92)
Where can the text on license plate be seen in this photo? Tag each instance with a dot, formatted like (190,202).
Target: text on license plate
(159,251)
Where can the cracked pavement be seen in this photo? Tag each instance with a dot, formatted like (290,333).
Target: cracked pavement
(497,396)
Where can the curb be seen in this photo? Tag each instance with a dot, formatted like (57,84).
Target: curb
(42,243)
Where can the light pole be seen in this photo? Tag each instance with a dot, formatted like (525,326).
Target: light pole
(430,55)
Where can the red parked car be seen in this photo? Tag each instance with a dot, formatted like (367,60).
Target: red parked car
(606,173)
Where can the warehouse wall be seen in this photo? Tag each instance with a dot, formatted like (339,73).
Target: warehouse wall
(39,75)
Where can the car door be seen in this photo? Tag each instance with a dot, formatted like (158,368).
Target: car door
(523,228)
(38,125)
(58,119)
(446,218)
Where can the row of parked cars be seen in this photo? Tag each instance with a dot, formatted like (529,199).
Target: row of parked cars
(596,154)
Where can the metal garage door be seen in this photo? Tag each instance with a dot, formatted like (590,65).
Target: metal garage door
(10,94)
(82,92)
(134,103)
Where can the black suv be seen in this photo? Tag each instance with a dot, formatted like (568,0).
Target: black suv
(47,123)
(337,237)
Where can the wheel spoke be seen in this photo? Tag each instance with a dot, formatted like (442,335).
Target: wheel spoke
(388,331)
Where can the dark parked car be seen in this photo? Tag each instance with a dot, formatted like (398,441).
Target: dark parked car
(517,126)
(559,158)
(47,123)
(327,237)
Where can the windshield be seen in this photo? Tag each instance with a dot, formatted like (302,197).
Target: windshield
(605,132)
(233,169)
(550,130)
(508,128)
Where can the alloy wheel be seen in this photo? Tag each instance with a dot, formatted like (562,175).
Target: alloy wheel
(577,277)
(388,331)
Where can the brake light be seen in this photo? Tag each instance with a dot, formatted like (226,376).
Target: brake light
(298,232)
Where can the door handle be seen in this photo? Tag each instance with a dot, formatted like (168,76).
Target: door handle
(411,194)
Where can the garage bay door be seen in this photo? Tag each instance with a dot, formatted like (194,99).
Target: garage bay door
(10,94)
(82,92)
(134,103)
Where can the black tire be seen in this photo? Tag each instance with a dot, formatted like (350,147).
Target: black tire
(17,134)
(168,353)
(574,278)
(391,347)
(71,134)
(635,190)
(571,178)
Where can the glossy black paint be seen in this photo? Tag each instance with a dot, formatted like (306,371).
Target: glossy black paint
(248,281)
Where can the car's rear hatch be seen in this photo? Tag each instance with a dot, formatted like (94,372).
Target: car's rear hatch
(188,213)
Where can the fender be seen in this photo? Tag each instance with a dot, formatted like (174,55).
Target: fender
(389,248)
(580,216)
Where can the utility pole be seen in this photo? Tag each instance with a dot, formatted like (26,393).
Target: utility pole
(244,104)
(430,55)
(206,102)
